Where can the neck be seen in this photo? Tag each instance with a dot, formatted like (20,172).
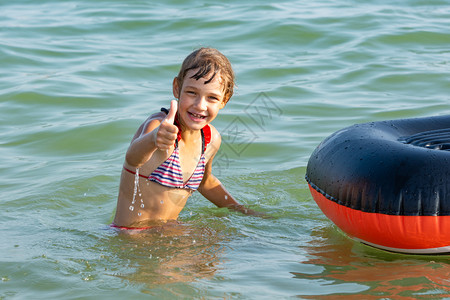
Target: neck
(189,135)
(184,132)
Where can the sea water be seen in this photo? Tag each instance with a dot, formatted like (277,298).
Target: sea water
(77,79)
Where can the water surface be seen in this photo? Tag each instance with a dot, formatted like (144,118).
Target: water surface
(78,77)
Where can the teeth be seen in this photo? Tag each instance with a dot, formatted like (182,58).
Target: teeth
(197,115)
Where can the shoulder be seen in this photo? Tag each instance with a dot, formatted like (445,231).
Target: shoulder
(149,124)
(154,120)
(158,117)
(215,135)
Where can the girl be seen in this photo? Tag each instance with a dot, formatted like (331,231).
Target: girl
(171,154)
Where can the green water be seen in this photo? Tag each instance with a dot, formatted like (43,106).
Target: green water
(78,77)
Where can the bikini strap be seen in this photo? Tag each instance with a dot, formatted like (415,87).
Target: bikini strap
(206,137)
(203,142)
(134,173)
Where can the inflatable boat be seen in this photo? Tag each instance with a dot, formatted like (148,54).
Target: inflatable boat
(387,184)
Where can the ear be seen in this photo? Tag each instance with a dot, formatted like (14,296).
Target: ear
(175,88)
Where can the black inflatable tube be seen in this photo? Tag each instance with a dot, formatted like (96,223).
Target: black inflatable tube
(396,167)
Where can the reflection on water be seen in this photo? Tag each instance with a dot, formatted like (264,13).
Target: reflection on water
(373,273)
(173,253)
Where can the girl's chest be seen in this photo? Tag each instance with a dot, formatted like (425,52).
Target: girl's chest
(189,161)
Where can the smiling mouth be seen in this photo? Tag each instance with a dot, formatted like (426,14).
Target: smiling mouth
(197,116)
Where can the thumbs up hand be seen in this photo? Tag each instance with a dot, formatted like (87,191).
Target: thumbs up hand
(166,134)
(172,112)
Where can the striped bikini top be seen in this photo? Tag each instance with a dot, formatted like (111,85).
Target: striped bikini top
(169,172)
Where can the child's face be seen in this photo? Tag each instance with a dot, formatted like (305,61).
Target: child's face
(199,103)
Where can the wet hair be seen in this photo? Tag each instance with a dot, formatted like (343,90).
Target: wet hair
(209,62)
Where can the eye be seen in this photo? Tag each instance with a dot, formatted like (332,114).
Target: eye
(214,98)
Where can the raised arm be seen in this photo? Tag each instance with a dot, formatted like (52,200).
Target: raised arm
(157,132)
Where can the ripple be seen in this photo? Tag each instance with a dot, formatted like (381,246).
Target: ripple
(78,78)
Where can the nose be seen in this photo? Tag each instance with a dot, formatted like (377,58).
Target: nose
(200,103)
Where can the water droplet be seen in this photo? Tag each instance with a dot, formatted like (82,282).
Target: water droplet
(131,207)
(162,201)
(136,185)
(142,205)
(140,194)
(139,214)
(226,197)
